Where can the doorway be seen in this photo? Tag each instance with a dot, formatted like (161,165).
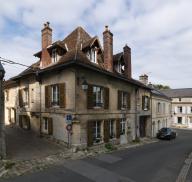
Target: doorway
(142,126)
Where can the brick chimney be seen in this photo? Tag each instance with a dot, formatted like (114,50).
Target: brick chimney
(143,79)
(46,38)
(108,49)
(127,59)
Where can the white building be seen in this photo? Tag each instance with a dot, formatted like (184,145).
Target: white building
(181,106)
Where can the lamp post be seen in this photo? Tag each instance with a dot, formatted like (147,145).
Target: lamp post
(2,121)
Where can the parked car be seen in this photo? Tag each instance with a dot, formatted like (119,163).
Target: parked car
(166,133)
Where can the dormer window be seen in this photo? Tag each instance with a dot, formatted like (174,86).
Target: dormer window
(54,55)
(92,55)
(120,67)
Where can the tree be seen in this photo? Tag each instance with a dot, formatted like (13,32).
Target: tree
(161,87)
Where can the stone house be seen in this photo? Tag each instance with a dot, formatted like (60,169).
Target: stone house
(161,107)
(181,106)
(80,85)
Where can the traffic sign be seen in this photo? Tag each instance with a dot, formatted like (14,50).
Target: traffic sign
(69,127)
(68,118)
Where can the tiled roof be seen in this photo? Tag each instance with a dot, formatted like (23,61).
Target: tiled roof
(181,92)
(159,93)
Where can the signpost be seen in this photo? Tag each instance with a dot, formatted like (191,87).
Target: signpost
(68,120)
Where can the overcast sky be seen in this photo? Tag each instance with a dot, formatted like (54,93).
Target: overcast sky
(159,32)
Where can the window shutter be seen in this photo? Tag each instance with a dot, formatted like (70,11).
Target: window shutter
(28,122)
(119,97)
(90,97)
(117,128)
(47,96)
(128,101)
(143,102)
(106,131)
(106,97)
(20,121)
(62,95)
(148,103)
(50,126)
(20,98)
(89,133)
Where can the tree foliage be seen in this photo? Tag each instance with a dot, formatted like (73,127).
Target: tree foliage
(161,87)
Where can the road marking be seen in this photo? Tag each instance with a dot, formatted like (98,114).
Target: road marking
(185,169)
(108,158)
(94,173)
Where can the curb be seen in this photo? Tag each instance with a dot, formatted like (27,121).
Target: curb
(185,169)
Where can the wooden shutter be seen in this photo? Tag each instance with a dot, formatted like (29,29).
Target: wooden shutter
(143,102)
(20,121)
(106,98)
(90,97)
(27,118)
(47,96)
(117,128)
(20,98)
(148,103)
(106,131)
(119,102)
(128,100)
(89,133)
(62,95)
(50,126)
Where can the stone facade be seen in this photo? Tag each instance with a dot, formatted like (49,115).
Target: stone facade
(111,107)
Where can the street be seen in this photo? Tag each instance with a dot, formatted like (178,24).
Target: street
(156,162)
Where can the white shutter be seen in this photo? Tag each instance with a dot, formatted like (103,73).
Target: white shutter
(183,108)
(175,109)
(188,109)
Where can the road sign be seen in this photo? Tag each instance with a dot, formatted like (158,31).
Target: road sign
(68,118)
(69,127)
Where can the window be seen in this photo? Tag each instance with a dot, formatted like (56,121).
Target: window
(54,55)
(47,126)
(190,120)
(98,96)
(145,103)
(180,110)
(55,95)
(7,95)
(92,55)
(120,67)
(32,95)
(46,123)
(179,99)
(111,129)
(122,126)
(191,109)
(123,100)
(179,120)
(25,96)
(97,131)
(158,107)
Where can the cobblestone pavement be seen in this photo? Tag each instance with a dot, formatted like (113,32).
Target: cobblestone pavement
(20,167)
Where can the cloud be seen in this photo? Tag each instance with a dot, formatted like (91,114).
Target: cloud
(158,31)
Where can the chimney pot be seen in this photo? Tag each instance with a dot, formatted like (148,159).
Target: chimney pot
(127,60)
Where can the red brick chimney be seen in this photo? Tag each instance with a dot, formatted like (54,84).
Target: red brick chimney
(46,38)
(127,59)
(108,49)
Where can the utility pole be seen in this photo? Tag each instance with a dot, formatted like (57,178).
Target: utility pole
(2,120)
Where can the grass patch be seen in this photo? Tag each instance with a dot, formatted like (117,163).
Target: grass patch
(110,147)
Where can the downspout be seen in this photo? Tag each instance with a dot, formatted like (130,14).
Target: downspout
(136,91)
(151,116)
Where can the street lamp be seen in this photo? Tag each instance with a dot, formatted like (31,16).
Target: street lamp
(84,85)
(2,124)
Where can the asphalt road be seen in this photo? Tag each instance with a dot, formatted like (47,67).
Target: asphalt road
(156,162)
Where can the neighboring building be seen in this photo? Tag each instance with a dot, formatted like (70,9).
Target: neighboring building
(181,106)
(77,77)
(161,107)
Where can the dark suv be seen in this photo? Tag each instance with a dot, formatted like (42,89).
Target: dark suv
(166,133)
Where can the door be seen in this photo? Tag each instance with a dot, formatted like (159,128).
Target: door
(142,126)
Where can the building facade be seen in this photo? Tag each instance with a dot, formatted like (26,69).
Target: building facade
(181,106)
(161,108)
(80,93)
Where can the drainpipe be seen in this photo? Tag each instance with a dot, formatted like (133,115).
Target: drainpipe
(136,92)
(151,116)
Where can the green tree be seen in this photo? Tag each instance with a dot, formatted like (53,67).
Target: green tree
(161,87)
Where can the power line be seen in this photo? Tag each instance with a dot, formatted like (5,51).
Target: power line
(13,62)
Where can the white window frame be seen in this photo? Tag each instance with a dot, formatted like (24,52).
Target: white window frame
(146,106)
(124,98)
(98,92)
(55,95)
(180,109)
(97,132)
(92,55)
(54,55)
(122,126)
(111,129)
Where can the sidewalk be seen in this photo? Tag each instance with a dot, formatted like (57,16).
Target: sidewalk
(19,167)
